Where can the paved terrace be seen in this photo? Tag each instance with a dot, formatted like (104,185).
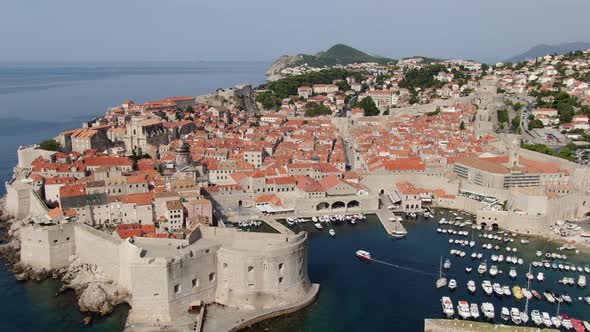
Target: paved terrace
(454,325)
(390,226)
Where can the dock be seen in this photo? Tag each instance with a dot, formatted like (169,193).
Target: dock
(390,226)
(455,325)
(276,225)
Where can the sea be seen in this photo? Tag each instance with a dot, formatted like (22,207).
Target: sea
(37,101)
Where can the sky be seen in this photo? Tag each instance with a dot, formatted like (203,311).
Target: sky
(230,30)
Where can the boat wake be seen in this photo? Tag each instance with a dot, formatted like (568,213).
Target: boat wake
(410,269)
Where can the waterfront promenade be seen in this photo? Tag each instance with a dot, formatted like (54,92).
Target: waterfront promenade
(454,325)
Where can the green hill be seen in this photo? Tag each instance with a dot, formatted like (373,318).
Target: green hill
(341,54)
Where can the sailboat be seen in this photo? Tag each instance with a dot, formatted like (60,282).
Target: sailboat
(441,282)
(524,316)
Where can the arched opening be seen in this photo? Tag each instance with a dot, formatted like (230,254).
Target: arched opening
(483,224)
(323,206)
(353,204)
(240,203)
(495,226)
(587,214)
(381,192)
(338,205)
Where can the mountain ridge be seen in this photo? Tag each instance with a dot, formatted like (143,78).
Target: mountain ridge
(547,49)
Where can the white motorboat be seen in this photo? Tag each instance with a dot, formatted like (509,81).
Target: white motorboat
(314,219)
(332,232)
(447,306)
(487,287)
(493,270)
(546,319)
(582,281)
(452,284)
(362,254)
(505,314)
(512,273)
(530,276)
(524,317)
(479,255)
(463,309)
(539,253)
(471,286)
(549,297)
(473,255)
(487,310)
(515,315)
(540,276)
(447,264)
(506,290)
(468,269)
(558,322)
(474,311)
(318,226)
(520,261)
(497,289)
(536,317)
(586,325)
(482,268)
(500,258)
(494,258)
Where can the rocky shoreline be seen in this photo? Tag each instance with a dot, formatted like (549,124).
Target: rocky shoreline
(96,294)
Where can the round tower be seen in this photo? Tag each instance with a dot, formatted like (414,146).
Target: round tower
(182,155)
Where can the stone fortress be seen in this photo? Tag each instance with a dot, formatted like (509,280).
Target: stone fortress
(253,272)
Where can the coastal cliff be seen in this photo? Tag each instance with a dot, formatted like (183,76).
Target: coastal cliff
(95,293)
(285,61)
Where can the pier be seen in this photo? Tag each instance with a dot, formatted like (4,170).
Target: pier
(390,226)
(272,222)
(455,325)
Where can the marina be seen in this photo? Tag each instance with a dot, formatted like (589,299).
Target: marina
(411,269)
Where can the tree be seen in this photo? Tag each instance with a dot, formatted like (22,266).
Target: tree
(386,112)
(267,99)
(315,109)
(50,145)
(368,105)
(536,123)
(517,107)
(516,121)
(566,112)
(462,125)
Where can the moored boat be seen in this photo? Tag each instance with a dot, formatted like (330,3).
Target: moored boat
(487,310)
(364,255)
(447,306)
(332,232)
(463,309)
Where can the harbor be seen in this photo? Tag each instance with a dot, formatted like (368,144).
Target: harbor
(407,270)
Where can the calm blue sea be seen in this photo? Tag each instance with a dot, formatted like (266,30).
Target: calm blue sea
(39,100)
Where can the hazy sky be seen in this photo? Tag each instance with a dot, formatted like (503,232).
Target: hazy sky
(84,30)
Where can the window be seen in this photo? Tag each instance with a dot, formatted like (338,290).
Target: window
(177,288)
(281,266)
(68,238)
(195,282)
(280,280)
(224,265)
(54,241)
(212,276)
(250,268)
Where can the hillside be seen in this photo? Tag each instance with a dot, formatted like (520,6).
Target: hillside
(337,54)
(544,49)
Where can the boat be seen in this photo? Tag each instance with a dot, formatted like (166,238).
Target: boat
(505,314)
(556,321)
(447,306)
(540,276)
(539,253)
(530,276)
(447,264)
(566,298)
(487,309)
(517,292)
(482,268)
(494,258)
(536,317)
(471,286)
(493,270)
(398,234)
(318,226)
(332,232)
(463,309)
(515,315)
(441,281)
(474,311)
(480,255)
(536,294)
(566,323)
(498,289)
(452,284)
(487,287)
(582,281)
(527,293)
(586,325)
(362,254)
(468,269)
(512,273)
(549,297)
(506,290)
(587,299)
(473,255)
(546,319)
